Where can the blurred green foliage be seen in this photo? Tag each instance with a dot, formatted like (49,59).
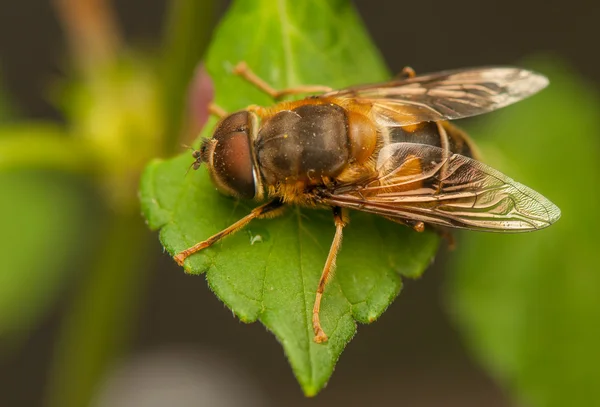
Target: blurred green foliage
(6,111)
(529,304)
(186,38)
(42,221)
(275,281)
(115,112)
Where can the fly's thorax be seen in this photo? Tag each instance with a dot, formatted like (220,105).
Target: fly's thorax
(229,156)
(303,145)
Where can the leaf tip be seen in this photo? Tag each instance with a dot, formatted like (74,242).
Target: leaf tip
(310,390)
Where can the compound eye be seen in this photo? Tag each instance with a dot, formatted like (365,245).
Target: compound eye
(232,168)
(239,121)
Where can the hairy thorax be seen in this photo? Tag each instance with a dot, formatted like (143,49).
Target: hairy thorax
(311,146)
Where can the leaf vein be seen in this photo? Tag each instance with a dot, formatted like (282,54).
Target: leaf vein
(303,290)
(291,77)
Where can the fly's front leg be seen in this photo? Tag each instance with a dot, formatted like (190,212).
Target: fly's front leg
(270,209)
(340,221)
(245,72)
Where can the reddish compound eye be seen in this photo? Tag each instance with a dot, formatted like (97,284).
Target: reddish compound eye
(230,161)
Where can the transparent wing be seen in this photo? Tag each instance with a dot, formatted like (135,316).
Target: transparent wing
(445,95)
(428,184)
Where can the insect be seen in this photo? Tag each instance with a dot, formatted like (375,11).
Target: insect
(386,149)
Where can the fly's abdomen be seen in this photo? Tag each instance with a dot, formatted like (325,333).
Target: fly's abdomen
(429,133)
(303,145)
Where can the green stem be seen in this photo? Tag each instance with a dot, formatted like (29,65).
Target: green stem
(44,146)
(186,39)
(99,325)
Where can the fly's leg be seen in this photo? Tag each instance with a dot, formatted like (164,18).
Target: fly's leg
(270,209)
(245,72)
(340,221)
(444,234)
(406,73)
(415,225)
(217,110)
(419,226)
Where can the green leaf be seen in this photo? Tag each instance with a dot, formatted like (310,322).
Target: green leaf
(529,304)
(270,270)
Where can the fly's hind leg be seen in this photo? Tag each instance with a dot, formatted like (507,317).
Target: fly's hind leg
(406,73)
(419,226)
(245,72)
(445,234)
(340,221)
(270,209)
(415,225)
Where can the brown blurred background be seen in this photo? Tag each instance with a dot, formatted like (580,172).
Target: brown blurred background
(186,341)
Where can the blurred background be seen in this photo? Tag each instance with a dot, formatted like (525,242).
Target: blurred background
(502,321)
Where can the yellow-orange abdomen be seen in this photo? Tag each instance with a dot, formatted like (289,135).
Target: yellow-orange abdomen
(362,135)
